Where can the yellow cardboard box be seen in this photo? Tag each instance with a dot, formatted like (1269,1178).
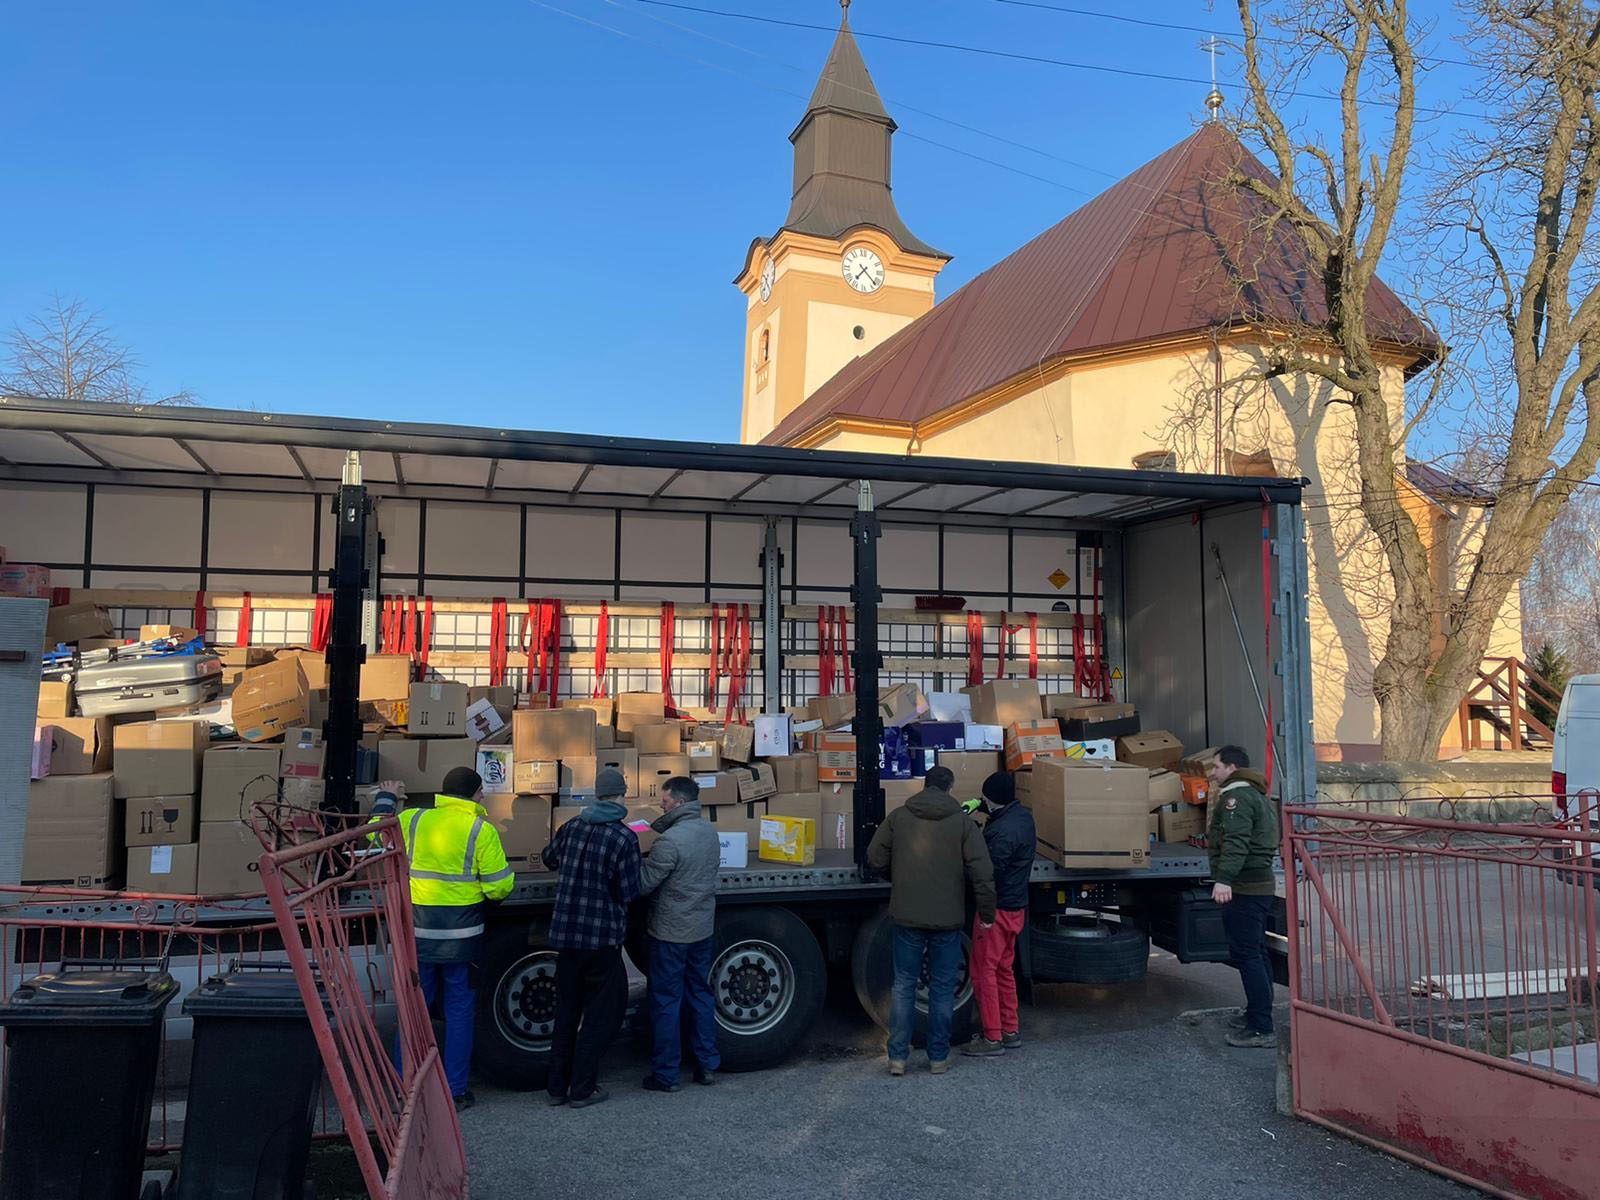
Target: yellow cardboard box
(788,840)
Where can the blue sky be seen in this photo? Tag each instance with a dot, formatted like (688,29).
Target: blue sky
(499,214)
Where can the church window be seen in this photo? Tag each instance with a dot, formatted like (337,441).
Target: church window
(858,333)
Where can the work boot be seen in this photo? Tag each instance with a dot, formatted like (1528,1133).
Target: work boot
(1237,1021)
(704,1077)
(940,1067)
(982,1047)
(1011,1040)
(598,1096)
(464,1101)
(897,1066)
(555,1101)
(654,1083)
(1245,1039)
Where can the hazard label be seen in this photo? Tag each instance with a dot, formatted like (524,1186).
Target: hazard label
(1116,672)
(1059,578)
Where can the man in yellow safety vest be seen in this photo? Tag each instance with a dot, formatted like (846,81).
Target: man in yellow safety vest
(457,863)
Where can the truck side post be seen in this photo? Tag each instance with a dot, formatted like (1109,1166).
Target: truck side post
(347,650)
(864,594)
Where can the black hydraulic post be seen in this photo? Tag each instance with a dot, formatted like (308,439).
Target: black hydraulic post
(352,510)
(864,534)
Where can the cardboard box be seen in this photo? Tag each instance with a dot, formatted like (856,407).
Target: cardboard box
(168,868)
(656,769)
(496,770)
(833,711)
(788,840)
(483,719)
(28,580)
(795,772)
(1065,705)
(437,708)
(150,633)
(105,643)
(720,787)
(1198,762)
(271,699)
(502,699)
(313,665)
(807,805)
(738,743)
(560,815)
(234,778)
(737,818)
(734,850)
(663,738)
(836,757)
(228,854)
(1152,748)
(304,795)
(160,821)
(605,738)
(623,759)
(559,733)
(69,622)
(971,768)
(1089,814)
(756,782)
(385,677)
(422,763)
(639,708)
(576,777)
(158,758)
(303,753)
(1029,740)
(1177,821)
(705,754)
(1102,721)
(523,823)
(837,828)
(639,819)
(1196,790)
(43,743)
(901,705)
(774,735)
(541,778)
(1103,748)
(1005,702)
(73,835)
(897,791)
(1166,787)
(55,698)
(950,706)
(603,707)
(254,656)
(984,737)
(78,745)
(937,735)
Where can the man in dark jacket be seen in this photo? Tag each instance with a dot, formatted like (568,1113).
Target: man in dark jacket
(1009,835)
(681,875)
(931,850)
(1242,839)
(598,857)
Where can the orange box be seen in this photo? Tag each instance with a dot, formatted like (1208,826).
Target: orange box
(836,757)
(1028,740)
(1195,789)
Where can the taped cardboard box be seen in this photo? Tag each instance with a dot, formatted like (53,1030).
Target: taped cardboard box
(663,738)
(625,761)
(1151,748)
(738,743)
(484,722)
(313,665)
(656,769)
(790,840)
(228,857)
(949,706)
(901,705)
(151,633)
(55,698)
(541,778)
(836,830)
(234,778)
(737,818)
(559,733)
(74,832)
(158,758)
(1005,702)
(502,699)
(576,777)
(78,745)
(832,711)
(523,823)
(604,709)
(807,805)
(639,708)
(1198,762)
(254,656)
(1102,721)
(1177,823)
(1065,705)
(795,772)
(1091,815)
(170,868)
(385,677)
(756,782)
(496,770)
(836,757)
(705,754)
(719,787)
(1027,741)
(437,708)
(69,622)
(271,699)
(160,821)
(984,737)
(1166,787)
(971,768)
(422,763)
(303,753)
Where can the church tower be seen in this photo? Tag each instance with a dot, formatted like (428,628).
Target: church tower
(843,272)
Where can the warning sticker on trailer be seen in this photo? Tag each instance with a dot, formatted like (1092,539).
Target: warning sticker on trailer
(1059,578)
(1116,672)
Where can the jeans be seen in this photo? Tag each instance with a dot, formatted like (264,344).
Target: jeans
(942,948)
(679,972)
(591,1000)
(994,955)
(457,1008)
(1245,919)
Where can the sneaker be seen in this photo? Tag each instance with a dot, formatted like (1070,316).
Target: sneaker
(1237,1021)
(940,1067)
(704,1077)
(555,1101)
(982,1047)
(1011,1040)
(654,1083)
(464,1101)
(1246,1040)
(598,1096)
(897,1066)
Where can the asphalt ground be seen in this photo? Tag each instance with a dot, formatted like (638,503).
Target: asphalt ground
(1120,1092)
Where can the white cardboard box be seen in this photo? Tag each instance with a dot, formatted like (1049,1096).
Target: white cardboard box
(735,849)
(1097,748)
(483,720)
(984,737)
(774,735)
(496,770)
(949,706)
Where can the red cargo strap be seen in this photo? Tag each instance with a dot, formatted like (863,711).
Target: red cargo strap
(322,622)
(1101,670)
(408,633)
(669,633)
(552,652)
(532,644)
(602,640)
(541,638)
(744,654)
(243,638)
(974,649)
(843,643)
(1266,620)
(200,614)
(1007,632)
(497,642)
(824,650)
(390,640)
(425,639)
(738,660)
(714,670)
(1033,645)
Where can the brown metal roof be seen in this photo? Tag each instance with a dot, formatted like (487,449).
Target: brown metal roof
(1156,255)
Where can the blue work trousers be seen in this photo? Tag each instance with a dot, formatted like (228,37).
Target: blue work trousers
(457,1007)
(1245,919)
(680,978)
(942,949)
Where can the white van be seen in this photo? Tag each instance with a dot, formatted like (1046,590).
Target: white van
(1575,760)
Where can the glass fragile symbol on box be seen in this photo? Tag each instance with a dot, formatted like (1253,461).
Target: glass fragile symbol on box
(790,840)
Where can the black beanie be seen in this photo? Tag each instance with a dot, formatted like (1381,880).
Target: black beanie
(461,781)
(1000,788)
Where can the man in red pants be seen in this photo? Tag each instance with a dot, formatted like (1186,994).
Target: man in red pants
(1009,835)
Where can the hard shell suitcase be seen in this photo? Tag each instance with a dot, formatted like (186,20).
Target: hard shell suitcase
(141,685)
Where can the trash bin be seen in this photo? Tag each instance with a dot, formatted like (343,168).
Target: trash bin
(252,1087)
(82,1048)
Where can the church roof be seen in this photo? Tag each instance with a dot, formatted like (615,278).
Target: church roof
(846,84)
(1157,255)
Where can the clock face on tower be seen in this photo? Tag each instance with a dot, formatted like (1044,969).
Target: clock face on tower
(863,269)
(768,273)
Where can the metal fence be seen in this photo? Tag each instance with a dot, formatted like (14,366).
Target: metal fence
(1445,988)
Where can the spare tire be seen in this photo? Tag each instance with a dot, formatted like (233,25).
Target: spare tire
(872,970)
(1083,948)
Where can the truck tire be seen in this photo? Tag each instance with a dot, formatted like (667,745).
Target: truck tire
(872,970)
(769,980)
(516,1008)
(1080,948)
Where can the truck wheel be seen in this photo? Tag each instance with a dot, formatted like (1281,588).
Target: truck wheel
(1076,948)
(872,969)
(769,980)
(516,1009)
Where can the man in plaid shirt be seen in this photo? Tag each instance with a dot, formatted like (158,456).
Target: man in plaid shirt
(598,858)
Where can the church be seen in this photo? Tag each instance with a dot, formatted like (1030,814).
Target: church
(1131,334)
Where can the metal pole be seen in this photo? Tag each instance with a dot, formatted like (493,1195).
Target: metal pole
(1238,629)
(352,510)
(864,534)
(772,619)
(1294,641)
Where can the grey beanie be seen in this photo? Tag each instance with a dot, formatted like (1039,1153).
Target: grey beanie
(610,784)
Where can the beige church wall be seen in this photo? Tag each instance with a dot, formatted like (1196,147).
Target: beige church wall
(1039,430)
(831,341)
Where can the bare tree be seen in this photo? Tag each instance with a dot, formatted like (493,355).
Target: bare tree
(1521,184)
(1561,595)
(66,352)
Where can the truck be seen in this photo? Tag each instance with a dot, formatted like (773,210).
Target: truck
(1188,592)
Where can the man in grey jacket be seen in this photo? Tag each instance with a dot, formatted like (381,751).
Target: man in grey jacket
(680,877)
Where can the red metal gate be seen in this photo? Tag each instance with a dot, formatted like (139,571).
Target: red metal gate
(1443,982)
